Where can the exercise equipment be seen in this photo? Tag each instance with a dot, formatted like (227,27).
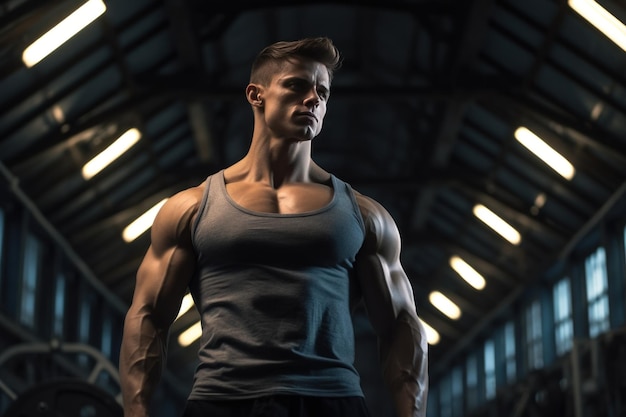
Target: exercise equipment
(69,387)
(64,398)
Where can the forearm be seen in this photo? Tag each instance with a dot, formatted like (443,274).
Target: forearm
(405,366)
(141,362)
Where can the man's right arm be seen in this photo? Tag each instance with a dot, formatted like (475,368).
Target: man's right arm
(162,281)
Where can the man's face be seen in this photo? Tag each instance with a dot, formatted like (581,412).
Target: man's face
(295,100)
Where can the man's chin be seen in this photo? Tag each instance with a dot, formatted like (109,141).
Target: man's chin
(301,133)
(306,135)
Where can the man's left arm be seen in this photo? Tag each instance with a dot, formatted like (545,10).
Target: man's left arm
(390,305)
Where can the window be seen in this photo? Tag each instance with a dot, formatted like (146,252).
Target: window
(563,322)
(445,397)
(84,324)
(107,334)
(471,382)
(433,401)
(534,343)
(490,370)
(457,391)
(30,276)
(509,352)
(451,394)
(597,292)
(59,305)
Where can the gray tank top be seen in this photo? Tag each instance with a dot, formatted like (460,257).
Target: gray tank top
(273,293)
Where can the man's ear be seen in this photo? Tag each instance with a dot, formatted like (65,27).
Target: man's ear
(254,95)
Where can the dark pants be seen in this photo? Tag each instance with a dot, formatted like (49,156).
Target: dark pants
(279,406)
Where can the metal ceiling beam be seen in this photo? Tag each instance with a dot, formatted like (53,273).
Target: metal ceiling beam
(190,54)
(474,186)
(23,24)
(489,267)
(120,219)
(558,189)
(20,18)
(469,40)
(183,87)
(548,41)
(496,200)
(567,118)
(587,132)
(510,276)
(570,44)
(43,80)
(422,6)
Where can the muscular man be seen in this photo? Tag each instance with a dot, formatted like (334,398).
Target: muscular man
(276,251)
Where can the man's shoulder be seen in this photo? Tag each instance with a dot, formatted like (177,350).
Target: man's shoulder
(375,215)
(367,204)
(176,216)
(186,202)
(189,196)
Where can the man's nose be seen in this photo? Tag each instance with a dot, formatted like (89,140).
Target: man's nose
(312,99)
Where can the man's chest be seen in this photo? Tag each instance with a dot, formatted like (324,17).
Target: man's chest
(288,199)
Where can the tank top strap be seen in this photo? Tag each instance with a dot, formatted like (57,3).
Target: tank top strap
(203,207)
(349,191)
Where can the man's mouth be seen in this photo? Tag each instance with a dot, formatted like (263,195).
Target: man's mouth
(308,115)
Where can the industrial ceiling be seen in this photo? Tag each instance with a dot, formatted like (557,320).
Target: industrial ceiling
(422,118)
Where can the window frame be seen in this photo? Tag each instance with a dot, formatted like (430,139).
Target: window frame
(563,316)
(596,284)
(533,336)
(29,280)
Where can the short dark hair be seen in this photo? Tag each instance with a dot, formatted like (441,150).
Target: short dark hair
(319,49)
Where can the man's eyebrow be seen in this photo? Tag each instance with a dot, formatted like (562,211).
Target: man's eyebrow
(306,80)
(295,78)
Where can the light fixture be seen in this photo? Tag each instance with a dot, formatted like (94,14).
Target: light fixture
(63,31)
(111,153)
(142,223)
(497,224)
(186,304)
(540,201)
(469,274)
(445,305)
(544,152)
(602,19)
(190,335)
(432,335)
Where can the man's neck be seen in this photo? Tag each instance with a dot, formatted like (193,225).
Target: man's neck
(276,162)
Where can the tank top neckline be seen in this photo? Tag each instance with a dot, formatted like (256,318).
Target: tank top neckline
(233,203)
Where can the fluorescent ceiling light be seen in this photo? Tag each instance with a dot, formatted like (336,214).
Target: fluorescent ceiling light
(63,31)
(185,305)
(445,305)
(544,152)
(432,335)
(111,153)
(190,335)
(602,19)
(497,224)
(142,223)
(469,274)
